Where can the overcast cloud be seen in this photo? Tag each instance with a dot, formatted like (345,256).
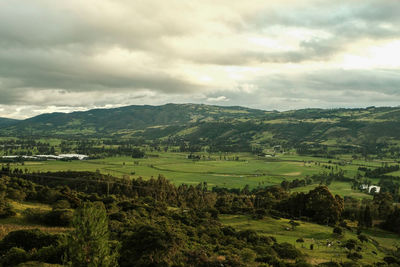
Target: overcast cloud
(76,55)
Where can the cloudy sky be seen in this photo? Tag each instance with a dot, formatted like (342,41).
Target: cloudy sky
(75,55)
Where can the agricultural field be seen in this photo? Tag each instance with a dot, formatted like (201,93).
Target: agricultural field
(320,236)
(232,170)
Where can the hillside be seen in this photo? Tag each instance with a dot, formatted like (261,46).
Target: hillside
(7,122)
(109,121)
(227,128)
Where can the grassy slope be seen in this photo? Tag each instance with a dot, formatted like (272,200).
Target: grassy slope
(317,235)
(18,222)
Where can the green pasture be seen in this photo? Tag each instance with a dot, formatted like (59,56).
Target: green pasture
(336,188)
(396,173)
(318,235)
(176,167)
(218,169)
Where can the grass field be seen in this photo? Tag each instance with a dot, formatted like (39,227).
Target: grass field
(319,235)
(218,170)
(18,222)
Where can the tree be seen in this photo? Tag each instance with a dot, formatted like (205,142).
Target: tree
(367,217)
(338,230)
(322,206)
(150,246)
(392,222)
(88,244)
(6,210)
(384,204)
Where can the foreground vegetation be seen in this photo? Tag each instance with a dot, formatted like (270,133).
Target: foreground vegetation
(197,185)
(318,242)
(154,223)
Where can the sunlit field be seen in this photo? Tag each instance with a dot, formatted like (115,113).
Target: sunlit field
(232,170)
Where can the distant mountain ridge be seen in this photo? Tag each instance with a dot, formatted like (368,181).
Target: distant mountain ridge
(206,124)
(129,117)
(7,122)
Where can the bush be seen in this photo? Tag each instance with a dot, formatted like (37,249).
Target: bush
(14,256)
(350,244)
(50,254)
(247,255)
(350,264)
(391,260)
(338,230)
(28,239)
(229,231)
(250,236)
(6,210)
(34,215)
(58,217)
(363,238)
(330,264)
(286,251)
(259,214)
(118,216)
(354,256)
(62,204)
(150,246)
(302,264)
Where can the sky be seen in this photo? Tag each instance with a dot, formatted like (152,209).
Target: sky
(72,55)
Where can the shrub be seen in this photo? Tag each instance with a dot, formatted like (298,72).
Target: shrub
(27,239)
(6,210)
(363,238)
(34,215)
(51,254)
(350,244)
(62,204)
(150,246)
(338,230)
(247,255)
(354,256)
(250,236)
(14,256)
(391,260)
(286,251)
(58,217)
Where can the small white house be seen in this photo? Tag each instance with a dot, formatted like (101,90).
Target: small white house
(371,188)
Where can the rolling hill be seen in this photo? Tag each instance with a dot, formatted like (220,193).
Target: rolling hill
(4,122)
(224,127)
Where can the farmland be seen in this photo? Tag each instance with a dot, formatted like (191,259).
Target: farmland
(231,170)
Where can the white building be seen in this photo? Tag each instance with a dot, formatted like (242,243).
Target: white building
(371,188)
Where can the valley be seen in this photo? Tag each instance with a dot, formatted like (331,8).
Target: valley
(246,187)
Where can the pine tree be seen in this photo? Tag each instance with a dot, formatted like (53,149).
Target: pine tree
(88,244)
(367,217)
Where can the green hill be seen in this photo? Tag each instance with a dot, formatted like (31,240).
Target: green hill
(312,131)
(7,122)
(109,121)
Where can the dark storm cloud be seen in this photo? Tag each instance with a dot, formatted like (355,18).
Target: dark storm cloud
(62,54)
(61,70)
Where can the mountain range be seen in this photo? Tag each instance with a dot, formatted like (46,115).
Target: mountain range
(212,124)
(7,122)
